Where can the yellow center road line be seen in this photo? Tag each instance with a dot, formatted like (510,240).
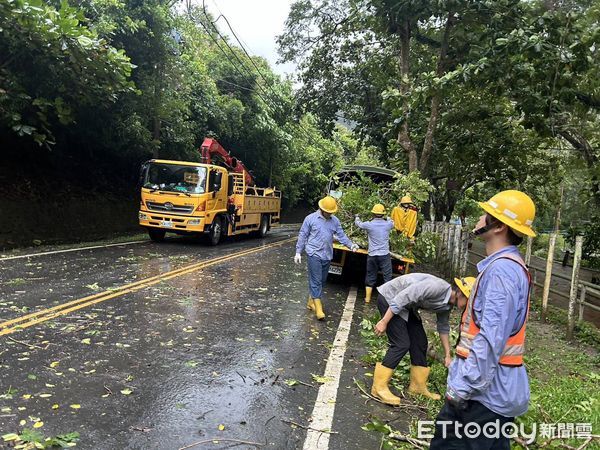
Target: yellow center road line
(28,320)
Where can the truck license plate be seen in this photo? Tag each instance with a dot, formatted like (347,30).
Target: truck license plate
(167,224)
(335,270)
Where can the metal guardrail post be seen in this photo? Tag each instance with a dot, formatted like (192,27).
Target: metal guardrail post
(574,284)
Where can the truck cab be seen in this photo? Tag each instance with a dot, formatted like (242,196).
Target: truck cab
(191,198)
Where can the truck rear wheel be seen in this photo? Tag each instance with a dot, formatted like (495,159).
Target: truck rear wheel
(264,226)
(156,234)
(216,231)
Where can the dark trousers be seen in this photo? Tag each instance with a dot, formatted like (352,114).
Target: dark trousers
(404,337)
(376,264)
(475,413)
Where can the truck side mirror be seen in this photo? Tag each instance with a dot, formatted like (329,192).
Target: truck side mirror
(217,183)
(143,171)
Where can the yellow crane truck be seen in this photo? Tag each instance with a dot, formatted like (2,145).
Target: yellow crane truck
(216,197)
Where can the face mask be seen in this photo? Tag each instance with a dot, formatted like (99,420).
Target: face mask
(482,230)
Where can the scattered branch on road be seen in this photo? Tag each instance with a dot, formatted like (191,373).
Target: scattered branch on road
(521,442)
(551,442)
(275,380)
(218,440)
(364,392)
(201,416)
(304,427)
(412,441)
(26,344)
(295,382)
(109,392)
(241,376)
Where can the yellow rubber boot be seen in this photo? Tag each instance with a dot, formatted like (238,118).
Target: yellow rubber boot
(380,389)
(418,382)
(311,304)
(368,293)
(318,308)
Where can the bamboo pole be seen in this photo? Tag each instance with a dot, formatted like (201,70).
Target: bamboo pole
(574,284)
(581,303)
(528,251)
(548,279)
(465,254)
(457,249)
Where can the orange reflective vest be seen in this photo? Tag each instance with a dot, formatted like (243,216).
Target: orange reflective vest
(514,349)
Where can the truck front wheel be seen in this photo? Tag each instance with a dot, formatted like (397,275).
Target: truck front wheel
(156,234)
(216,231)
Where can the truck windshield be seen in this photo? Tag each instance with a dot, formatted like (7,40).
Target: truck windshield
(176,178)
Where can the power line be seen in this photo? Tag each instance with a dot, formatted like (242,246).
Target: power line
(268,103)
(231,49)
(241,44)
(232,62)
(239,41)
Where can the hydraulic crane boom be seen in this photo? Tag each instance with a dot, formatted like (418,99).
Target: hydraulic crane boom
(210,148)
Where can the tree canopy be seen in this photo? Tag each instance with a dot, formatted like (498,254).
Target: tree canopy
(477,96)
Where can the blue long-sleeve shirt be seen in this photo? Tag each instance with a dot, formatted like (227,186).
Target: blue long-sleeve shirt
(500,308)
(378,231)
(317,233)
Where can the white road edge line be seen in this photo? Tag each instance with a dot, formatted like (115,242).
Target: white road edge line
(77,249)
(31,255)
(317,437)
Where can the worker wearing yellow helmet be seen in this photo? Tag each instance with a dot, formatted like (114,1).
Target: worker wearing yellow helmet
(487,382)
(399,302)
(405,217)
(316,239)
(379,258)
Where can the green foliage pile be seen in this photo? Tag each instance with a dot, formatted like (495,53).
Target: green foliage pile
(360,194)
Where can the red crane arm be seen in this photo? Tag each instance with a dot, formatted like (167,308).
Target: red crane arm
(210,148)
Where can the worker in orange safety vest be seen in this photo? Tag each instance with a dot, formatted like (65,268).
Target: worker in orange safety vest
(487,381)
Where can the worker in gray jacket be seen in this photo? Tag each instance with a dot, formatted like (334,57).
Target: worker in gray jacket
(398,302)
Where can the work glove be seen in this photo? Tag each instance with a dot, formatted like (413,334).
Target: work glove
(455,401)
(354,247)
(298,258)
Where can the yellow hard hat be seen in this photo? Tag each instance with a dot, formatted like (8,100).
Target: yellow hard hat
(406,199)
(328,204)
(513,208)
(378,209)
(465,285)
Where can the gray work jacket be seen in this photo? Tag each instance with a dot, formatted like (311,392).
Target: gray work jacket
(419,291)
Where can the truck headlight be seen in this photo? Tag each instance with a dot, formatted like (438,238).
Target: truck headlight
(194,222)
(143,216)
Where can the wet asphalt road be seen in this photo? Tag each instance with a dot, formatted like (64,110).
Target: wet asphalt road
(201,356)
